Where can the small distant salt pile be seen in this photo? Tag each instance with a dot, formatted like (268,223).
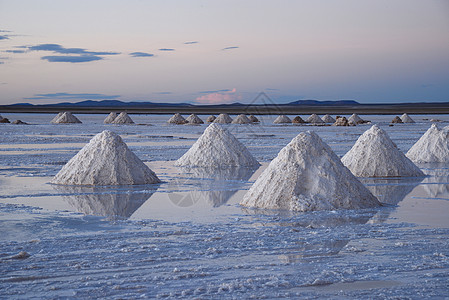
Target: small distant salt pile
(123,118)
(396,120)
(210,119)
(342,121)
(194,119)
(282,119)
(253,119)
(4,120)
(66,118)
(435,120)
(177,119)
(328,119)
(56,117)
(105,160)
(241,119)
(376,155)
(356,119)
(432,147)
(306,176)
(298,120)
(314,119)
(217,147)
(19,122)
(110,118)
(223,119)
(406,118)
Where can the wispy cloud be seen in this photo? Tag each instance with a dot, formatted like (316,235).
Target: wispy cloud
(216,91)
(141,54)
(15,51)
(70,96)
(269,89)
(166,49)
(71,59)
(191,43)
(4,37)
(230,48)
(219,98)
(163,93)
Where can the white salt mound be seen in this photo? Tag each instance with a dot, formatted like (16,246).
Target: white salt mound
(66,118)
(177,119)
(105,160)
(355,119)
(328,119)
(314,119)
(54,119)
(123,118)
(406,119)
(194,119)
(307,176)
(282,119)
(241,119)
(223,119)
(376,155)
(110,118)
(432,147)
(217,147)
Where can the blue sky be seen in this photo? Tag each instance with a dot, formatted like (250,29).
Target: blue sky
(224,51)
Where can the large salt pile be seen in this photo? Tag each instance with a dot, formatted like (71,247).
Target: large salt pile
(376,155)
(65,118)
(241,119)
(306,176)
(194,119)
(177,119)
(123,118)
(217,147)
(328,119)
(406,118)
(210,119)
(110,118)
(223,119)
(298,120)
(253,119)
(105,160)
(432,147)
(282,119)
(314,119)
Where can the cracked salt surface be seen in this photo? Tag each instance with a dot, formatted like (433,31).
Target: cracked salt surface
(189,238)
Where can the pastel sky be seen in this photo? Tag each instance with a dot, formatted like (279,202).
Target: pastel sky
(209,52)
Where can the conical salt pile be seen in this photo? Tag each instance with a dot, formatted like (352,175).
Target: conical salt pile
(253,119)
(342,121)
(406,118)
(282,119)
(223,119)
(54,119)
(210,119)
(314,119)
(298,120)
(241,119)
(355,119)
(110,118)
(432,147)
(65,118)
(328,119)
(217,147)
(194,119)
(177,119)
(306,176)
(105,160)
(123,118)
(396,120)
(376,155)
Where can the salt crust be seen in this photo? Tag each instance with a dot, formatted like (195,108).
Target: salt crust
(328,119)
(282,119)
(241,119)
(217,147)
(223,119)
(123,118)
(177,119)
(307,176)
(105,160)
(110,118)
(65,117)
(406,118)
(432,147)
(314,119)
(375,155)
(194,119)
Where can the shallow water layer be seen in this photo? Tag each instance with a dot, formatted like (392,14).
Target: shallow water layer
(188,237)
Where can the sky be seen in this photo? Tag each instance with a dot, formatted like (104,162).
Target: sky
(212,52)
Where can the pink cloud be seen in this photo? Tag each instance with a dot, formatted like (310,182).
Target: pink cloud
(219,98)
